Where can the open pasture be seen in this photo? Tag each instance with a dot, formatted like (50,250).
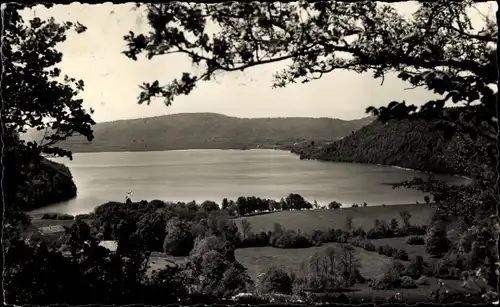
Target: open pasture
(310,220)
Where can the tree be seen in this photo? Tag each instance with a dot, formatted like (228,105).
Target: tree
(405,216)
(178,238)
(436,241)
(34,96)
(242,206)
(246,228)
(151,229)
(394,224)
(225,204)
(348,223)
(275,280)
(349,266)
(315,204)
(334,205)
(215,270)
(209,206)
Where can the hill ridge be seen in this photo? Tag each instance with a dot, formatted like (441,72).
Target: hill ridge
(208,130)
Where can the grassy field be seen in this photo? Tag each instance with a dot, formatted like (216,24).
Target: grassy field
(257,260)
(309,220)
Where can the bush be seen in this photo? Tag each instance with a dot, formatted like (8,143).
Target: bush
(391,278)
(65,217)
(422,281)
(401,254)
(84,216)
(290,239)
(275,280)
(359,232)
(369,246)
(374,234)
(436,242)
(334,205)
(415,240)
(416,267)
(445,269)
(416,230)
(408,283)
(386,250)
(49,216)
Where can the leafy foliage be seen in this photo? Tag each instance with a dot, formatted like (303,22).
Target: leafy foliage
(35,96)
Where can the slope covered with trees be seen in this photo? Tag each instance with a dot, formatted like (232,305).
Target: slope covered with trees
(207,131)
(410,144)
(50,183)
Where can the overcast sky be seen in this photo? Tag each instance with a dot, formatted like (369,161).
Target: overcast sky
(112,80)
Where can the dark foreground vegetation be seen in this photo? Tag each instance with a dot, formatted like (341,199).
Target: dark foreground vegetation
(49,183)
(194,230)
(436,49)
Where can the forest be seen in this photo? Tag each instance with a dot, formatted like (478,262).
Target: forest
(410,144)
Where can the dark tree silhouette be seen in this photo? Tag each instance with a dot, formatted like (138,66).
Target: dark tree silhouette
(35,96)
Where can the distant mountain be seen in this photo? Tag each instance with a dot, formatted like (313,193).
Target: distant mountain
(208,131)
(409,144)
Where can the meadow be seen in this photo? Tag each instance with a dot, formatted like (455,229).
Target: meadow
(310,220)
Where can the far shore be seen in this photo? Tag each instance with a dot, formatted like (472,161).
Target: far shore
(281,148)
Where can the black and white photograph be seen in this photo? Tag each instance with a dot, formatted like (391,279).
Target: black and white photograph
(246,152)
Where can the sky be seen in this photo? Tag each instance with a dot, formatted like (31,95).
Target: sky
(112,80)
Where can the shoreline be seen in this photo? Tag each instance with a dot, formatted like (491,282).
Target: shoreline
(178,150)
(274,149)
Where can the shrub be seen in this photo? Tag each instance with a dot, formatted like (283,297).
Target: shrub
(369,246)
(290,239)
(416,267)
(417,230)
(445,268)
(374,234)
(65,217)
(49,216)
(422,281)
(408,283)
(401,254)
(386,250)
(394,224)
(436,242)
(359,232)
(334,205)
(275,280)
(415,240)
(390,279)
(84,216)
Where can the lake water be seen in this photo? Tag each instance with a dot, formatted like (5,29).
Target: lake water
(214,174)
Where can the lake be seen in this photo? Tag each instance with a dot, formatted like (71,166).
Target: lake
(200,175)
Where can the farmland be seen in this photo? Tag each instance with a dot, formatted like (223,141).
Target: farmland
(309,220)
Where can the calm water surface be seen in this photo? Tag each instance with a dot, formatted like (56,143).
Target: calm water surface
(214,174)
